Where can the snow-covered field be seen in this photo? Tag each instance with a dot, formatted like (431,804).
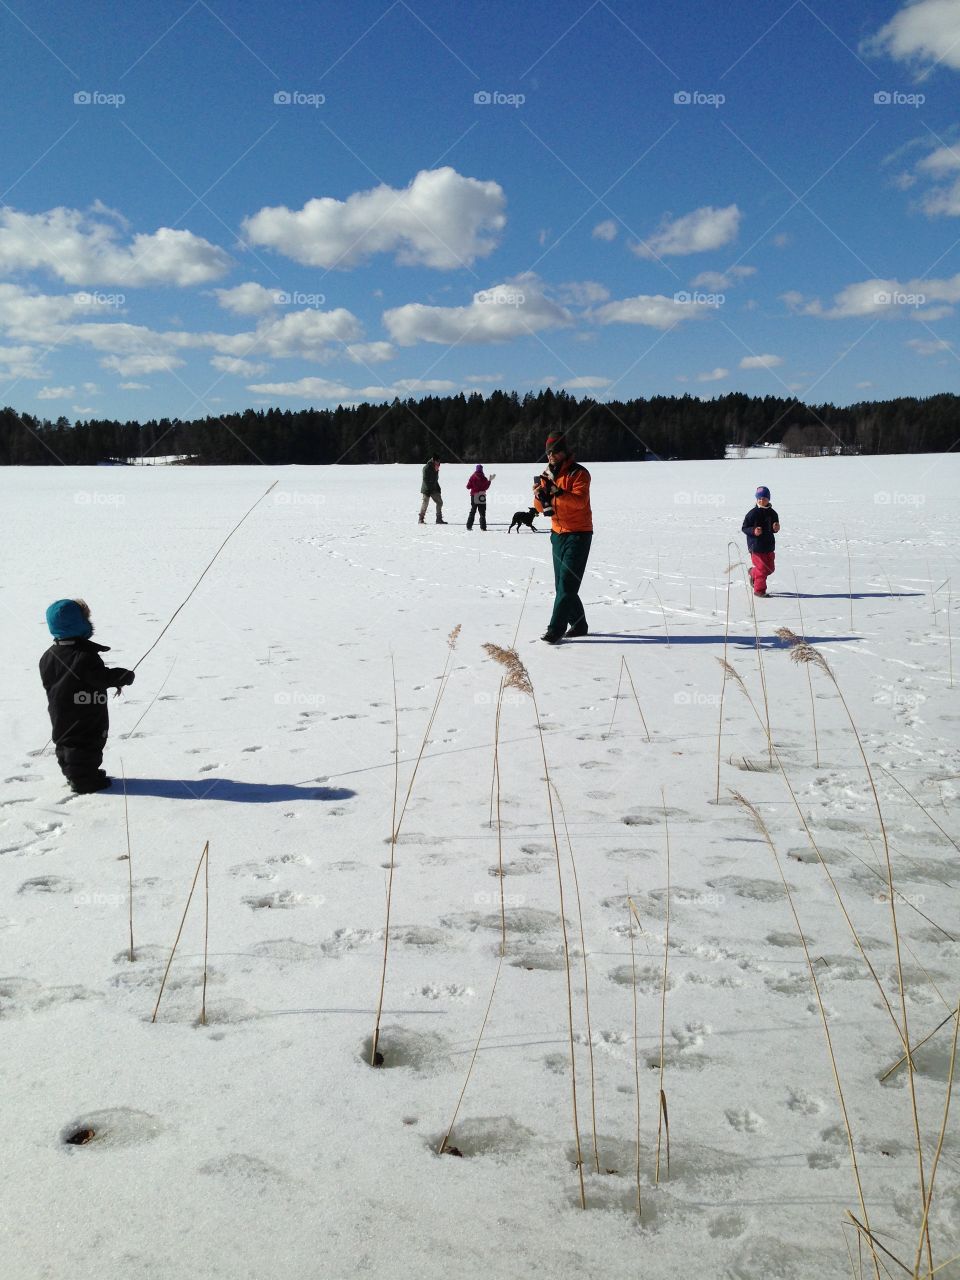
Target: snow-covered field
(262,1144)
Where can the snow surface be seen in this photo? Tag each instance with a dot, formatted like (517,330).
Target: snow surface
(262,1144)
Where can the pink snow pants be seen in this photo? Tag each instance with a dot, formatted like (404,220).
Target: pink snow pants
(764,564)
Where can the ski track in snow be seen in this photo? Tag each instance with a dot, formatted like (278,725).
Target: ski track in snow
(262,1141)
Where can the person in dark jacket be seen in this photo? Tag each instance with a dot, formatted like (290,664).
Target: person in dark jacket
(760,524)
(76,681)
(430,488)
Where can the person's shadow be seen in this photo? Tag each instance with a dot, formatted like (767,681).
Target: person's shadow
(228,789)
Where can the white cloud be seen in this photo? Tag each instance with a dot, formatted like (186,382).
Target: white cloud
(132,366)
(863,386)
(696,232)
(581,293)
(654,310)
(134,386)
(441,220)
(927,31)
(370,352)
(481,378)
(715,375)
(941,160)
(761,362)
(606,230)
(721,279)
(21,362)
(425,386)
(249,299)
(233,364)
(929,347)
(884,298)
(587,382)
(80,249)
(56,393)
(510,310)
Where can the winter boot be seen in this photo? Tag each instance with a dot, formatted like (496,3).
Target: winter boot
(420,520)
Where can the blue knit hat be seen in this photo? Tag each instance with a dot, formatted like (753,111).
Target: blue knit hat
(69,620)
(478,467)
(763,491)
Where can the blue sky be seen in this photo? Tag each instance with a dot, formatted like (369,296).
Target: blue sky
(207,207)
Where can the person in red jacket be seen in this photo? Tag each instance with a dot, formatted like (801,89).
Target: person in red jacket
(563,492)
(478,484)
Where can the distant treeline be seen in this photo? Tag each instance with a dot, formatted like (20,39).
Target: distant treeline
(498,427)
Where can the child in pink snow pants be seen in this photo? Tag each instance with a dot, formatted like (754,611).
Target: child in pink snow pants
(760,524)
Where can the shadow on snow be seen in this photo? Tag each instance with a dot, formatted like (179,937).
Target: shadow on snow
(230,790)
(744,642)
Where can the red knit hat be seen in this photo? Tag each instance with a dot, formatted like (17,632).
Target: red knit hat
(557,440)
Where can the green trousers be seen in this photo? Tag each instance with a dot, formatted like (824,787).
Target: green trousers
(570,553)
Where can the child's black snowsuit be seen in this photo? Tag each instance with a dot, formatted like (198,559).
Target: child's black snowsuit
(77,681)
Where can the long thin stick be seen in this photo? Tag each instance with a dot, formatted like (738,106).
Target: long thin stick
(205,572)
(393,851)
(893,777)
(936,1158)
(126,819)
(496,723)
(183,918)
(849,575)
(124,736)
(723,686)
(662,1117)
(662,610)
(813,707)
(929,1036)
(636,1043)
(762,828)
(446,1137)
(206,933)
(616,699)
(643,718)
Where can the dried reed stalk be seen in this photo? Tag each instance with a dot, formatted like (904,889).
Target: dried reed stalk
(446,1137)
(374,1050)
(636,1043)
(586,979)
(206,933)
(663,1121)
(919,1044)
(762,828)
(196,876)
(643,718)
(849,574)
(924,1226)
(518,678)
(723,686)
(813,707)
(803,652)
(662,610)
(616,699)
(126,819)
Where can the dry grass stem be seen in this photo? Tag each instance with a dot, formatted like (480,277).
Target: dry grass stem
(723,686)
(923,809)
(813,707)
(636,1042)
(196,876)
(374,1048)
(518,678)
(849,574)
(919,1044)
(643,718)
(616,699)
(762,828)
(493,990)
(206,933)
(806,653)
(663,1121)
(925,1225)
(586,978)
(662,611)
(126,819)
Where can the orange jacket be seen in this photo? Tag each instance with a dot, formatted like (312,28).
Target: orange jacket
(571,506)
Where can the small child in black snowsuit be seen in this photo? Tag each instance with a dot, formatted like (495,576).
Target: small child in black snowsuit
(76,681)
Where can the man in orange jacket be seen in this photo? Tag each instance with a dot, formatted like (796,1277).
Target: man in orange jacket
(563,492)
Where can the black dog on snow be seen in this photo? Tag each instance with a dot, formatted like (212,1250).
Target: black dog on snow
(524,517)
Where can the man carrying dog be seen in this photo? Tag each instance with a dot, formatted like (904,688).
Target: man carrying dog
(563,492)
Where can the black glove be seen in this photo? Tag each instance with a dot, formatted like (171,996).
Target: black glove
(128,677)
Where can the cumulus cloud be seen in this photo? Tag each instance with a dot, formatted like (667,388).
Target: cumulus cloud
(606,230)
(56,393)
(654,310)
(761,362)
(370,352)
(581,293)
(134,366)
(249,299)
(441,219)
(134,386)
(587,382)
(696,232)
(21,362)
(939,171)
(721,279)
(929,347)
(80,248)
(234,365)
(916,298)
(510,310)
(715,375)
(927,31)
